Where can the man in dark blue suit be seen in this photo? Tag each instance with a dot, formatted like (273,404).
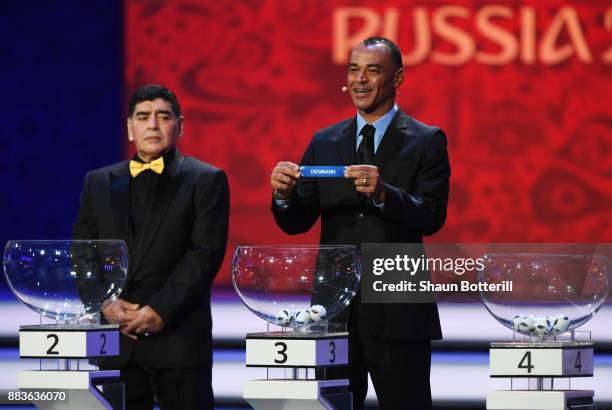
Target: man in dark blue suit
(395,190)
(172,211)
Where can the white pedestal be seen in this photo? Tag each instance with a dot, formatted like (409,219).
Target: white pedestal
(542,363)
(539,400)
(295,394)
(296,351)
(85,390)
(80,387)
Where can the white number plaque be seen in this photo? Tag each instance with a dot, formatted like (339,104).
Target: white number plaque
(541,361)
(296,352)
(68,342)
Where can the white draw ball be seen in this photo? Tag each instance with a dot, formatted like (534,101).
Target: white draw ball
(516,320)
(526,324)
(560,323)
(283,317)
(301,317)
(317,313)
(541,326)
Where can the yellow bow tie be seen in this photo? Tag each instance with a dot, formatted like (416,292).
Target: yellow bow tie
(156,166)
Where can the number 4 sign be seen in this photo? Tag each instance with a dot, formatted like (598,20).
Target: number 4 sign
(541,361)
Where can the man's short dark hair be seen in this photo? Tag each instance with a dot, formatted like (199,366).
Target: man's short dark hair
(152,92)
(396,54)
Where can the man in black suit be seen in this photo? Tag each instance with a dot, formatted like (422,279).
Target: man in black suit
(172,211)
(395,190)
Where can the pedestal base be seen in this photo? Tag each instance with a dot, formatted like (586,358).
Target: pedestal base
(81,388)
(298,394)
(541,400)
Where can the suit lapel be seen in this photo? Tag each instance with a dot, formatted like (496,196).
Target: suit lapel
(346,143)
(165,190)
(393,138)
(120,199)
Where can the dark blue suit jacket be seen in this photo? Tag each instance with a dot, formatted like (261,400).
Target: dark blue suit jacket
(413,163)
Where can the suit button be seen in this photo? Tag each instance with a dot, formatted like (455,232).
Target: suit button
(359,216)
(134,253)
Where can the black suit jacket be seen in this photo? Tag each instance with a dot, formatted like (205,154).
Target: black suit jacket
(179,253)
(413,163)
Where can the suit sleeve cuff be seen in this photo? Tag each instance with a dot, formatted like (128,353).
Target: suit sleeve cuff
(160,310)
(283,203)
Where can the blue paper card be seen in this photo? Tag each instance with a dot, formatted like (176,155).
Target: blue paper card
(323,171)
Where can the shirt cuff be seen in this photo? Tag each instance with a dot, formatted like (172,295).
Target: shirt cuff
(283,203)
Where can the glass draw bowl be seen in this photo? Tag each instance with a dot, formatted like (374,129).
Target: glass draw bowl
(551,294)
(296,285)
(66,279)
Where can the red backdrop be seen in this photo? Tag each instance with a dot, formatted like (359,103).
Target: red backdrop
(522,89)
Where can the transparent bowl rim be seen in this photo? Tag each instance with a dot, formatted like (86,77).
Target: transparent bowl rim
(571,255)
(296,246)
(52,242)
(62,240)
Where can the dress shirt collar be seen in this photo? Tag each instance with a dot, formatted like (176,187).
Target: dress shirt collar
(380,124)
(168,157)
